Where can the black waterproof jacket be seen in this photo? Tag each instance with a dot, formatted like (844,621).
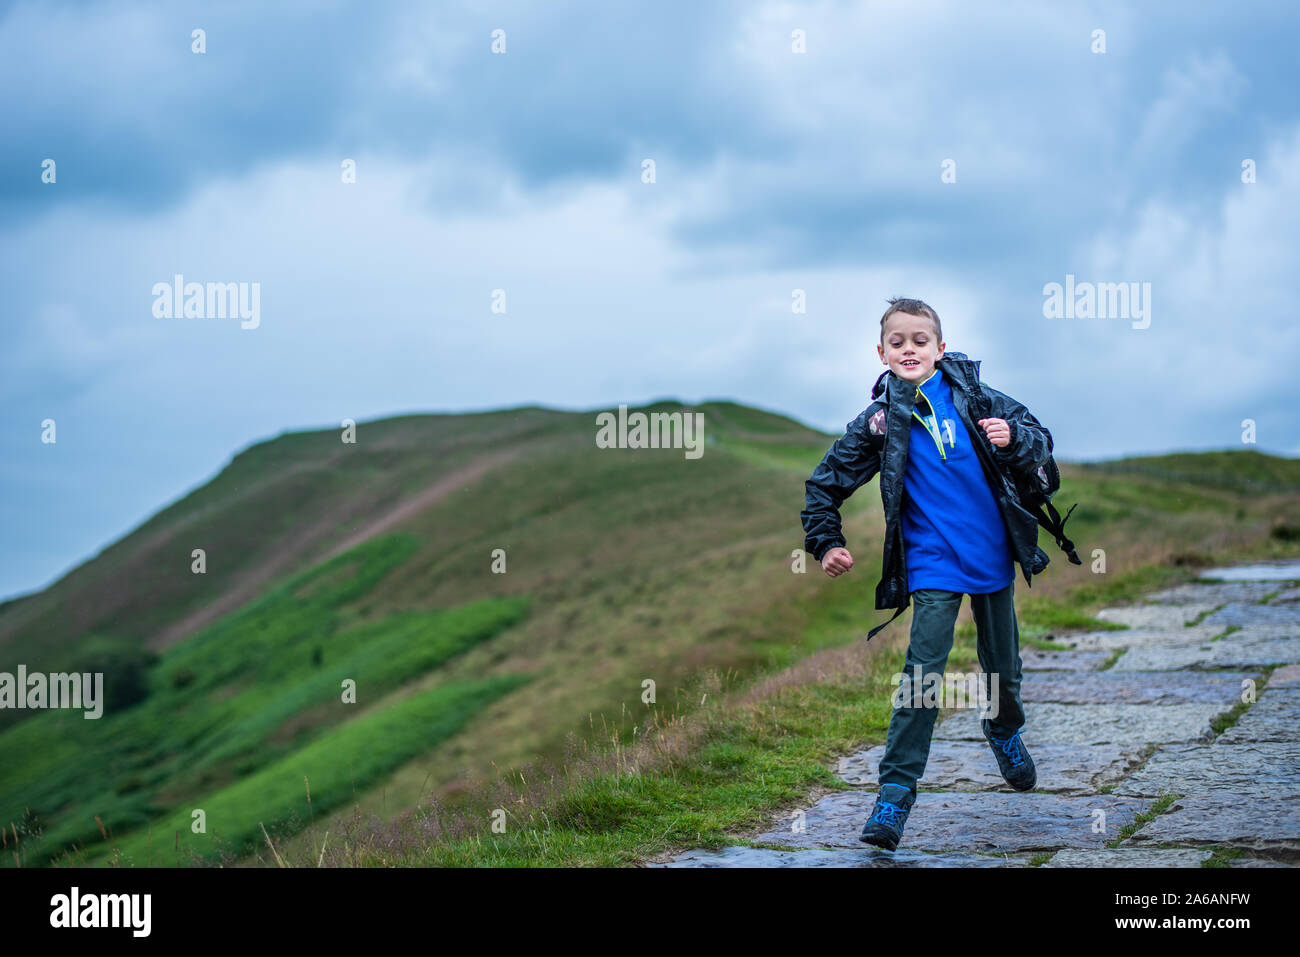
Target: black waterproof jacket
(876,443)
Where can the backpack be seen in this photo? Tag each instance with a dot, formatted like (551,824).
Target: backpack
(1035,490)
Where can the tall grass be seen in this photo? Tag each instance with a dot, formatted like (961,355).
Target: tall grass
(250,689)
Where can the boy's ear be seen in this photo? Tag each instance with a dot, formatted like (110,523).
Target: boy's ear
(942,346)
(880,351)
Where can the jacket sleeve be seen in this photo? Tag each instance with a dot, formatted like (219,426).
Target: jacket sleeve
(1031,443)
(850,463)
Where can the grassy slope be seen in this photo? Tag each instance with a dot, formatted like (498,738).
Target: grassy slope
(635,564)
(248,691)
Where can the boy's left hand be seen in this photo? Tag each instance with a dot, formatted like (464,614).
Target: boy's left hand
(998,431)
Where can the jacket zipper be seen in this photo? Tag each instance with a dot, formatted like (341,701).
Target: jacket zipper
(935,415)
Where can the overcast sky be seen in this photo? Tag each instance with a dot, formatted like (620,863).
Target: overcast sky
(967,154)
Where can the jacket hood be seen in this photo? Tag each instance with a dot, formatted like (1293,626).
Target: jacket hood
(957,366)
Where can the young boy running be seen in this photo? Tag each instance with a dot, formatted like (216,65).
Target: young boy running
(942,443)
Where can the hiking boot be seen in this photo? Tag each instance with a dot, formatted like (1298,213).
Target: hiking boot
(1014,762)
(885,826)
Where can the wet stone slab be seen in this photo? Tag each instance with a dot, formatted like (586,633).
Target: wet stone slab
(1127,726)
(1258,768)
(1275,716)
(1260,571)
(1286,616)
(1258,862)
(1238,650)
(971,766)
(1287,595)
(1134,637)
(1136,687)
(864,855)
(985,822)
(1169,658)
(1156,616)
(1223,817)
(1214,593)
(1286,676)
(1034,659)
(1129,857)
(1259,631)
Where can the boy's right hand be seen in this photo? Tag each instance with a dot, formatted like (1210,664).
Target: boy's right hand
(837,561)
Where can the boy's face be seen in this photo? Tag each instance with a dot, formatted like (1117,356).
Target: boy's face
(910,347)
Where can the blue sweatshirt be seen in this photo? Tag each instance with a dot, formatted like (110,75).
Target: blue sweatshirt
(953,530)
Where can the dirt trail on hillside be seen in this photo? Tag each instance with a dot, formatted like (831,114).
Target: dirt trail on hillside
(304,546)
(434,493)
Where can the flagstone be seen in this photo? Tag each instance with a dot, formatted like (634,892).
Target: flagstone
(986,821)
(1242,614)
(1214,593)
(1275,716)
(1036,659)
(971,766)
(864,855)
(1259,571)
(1136,687)
(1266,769)
(1222,816)
(1129,857)
(1238,650)
(1285,676)
(1133,637)
(1124,725)
(1156,616)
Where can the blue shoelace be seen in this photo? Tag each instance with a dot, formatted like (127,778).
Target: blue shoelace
(888,813)
(1011,748)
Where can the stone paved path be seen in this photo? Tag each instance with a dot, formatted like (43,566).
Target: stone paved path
(1110,736)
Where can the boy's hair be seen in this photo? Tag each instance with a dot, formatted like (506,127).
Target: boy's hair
(913,307)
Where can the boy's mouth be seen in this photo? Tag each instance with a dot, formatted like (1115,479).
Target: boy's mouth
(911,363)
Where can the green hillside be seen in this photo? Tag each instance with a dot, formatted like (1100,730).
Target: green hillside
(379,563)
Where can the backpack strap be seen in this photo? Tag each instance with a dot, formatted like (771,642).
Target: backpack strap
(898,611)
(1055,524)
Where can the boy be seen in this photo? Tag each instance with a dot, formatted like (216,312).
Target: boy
(941,442)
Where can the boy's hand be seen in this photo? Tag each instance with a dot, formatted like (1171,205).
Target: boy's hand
(998,431)
(837,561)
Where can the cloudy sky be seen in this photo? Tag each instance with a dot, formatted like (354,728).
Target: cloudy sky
(968,154)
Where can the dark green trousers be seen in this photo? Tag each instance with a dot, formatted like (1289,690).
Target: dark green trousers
(934,614)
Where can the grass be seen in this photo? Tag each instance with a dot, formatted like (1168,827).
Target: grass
(265,681)
(1157,808)
(318,777)
(752,765)
(1223,856)
(1239,470)
(1222,722)
(742,758)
